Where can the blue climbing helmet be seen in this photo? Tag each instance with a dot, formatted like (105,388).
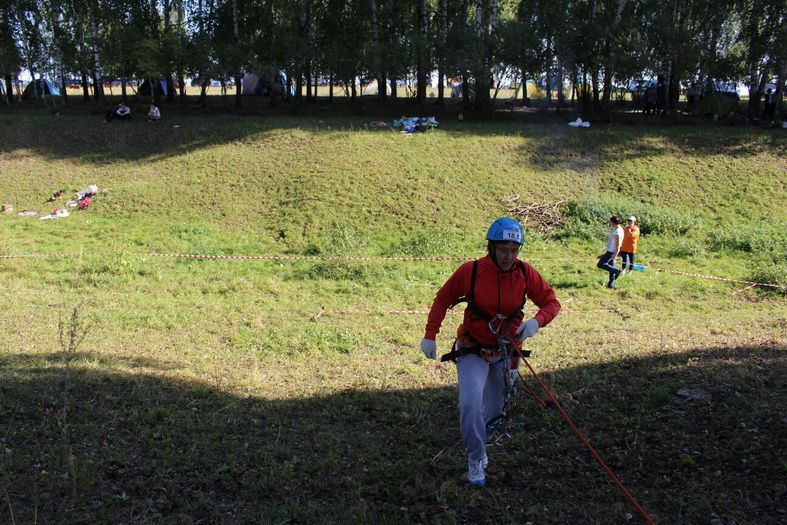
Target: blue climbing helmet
(505,229)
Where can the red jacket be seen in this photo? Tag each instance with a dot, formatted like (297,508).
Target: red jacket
(495,292)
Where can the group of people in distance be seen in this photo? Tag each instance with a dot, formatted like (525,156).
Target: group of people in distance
(123,112)
(623,242)
(488,343)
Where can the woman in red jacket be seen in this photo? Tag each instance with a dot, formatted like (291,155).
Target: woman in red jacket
(495,288)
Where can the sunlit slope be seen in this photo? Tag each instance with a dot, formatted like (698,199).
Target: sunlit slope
(237,183)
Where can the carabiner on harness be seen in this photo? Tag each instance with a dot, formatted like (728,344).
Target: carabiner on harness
(496,323)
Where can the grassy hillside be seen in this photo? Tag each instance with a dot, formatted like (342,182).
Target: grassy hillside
(204,390)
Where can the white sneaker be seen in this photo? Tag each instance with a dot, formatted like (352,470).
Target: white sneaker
(475,472)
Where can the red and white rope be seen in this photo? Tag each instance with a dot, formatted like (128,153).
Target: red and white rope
(198,256)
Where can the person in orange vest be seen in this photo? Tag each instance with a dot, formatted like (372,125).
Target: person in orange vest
(629,245)
(495,288)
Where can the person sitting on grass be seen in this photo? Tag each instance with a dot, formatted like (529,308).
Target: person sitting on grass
(121,112)
(607,261)
(154,114)
(495,288)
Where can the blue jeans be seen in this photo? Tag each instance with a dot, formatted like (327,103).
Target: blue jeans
(628,260)
(607,262)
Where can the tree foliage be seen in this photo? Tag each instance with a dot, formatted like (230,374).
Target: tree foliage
(593,46)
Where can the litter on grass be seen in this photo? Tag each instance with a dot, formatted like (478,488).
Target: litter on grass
(28,213)
(87,192)
(83,201)
(413,124)
(55,195)
(579,123)
(57,214)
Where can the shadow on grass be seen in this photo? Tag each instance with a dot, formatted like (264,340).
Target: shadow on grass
(551,145)
(147,448)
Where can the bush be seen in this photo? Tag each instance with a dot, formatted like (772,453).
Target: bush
(767,242)
(765,270)
(723,239)
(587,218)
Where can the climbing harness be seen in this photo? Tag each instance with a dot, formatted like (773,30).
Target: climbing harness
(496,323)
(505,349)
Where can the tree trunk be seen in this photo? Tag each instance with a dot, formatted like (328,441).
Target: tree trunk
(393,88)
(674,87)
(303,61)
(548,74)
(123,81)
(182,88)
(170,83)
(308,84)
(382,87)
(316,84)
(203,93)
(440,87)
(236,37)
(779,88)
(63,87)
(379,74)
(9,88)
(465,91)
(181,16)
(85,90)
(574,74)
(585,92)
(481,99)
(155,91)
(421,67)
(98,86)
(330,87)
(611,56)
(607,82)
(524,86)
(560,96)
(443,45)
(36,91)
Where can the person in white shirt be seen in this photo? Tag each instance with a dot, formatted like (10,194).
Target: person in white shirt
(154,114)
(607,261)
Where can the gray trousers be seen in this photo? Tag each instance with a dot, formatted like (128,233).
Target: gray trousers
(481,397)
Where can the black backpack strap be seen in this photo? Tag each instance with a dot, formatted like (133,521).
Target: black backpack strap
(521,265)
(470,295)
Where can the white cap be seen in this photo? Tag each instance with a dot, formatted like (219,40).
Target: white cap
(633,219)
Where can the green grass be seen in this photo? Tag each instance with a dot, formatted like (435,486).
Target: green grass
(204,391)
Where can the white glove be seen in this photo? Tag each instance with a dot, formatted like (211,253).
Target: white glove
(429,348)
(527,329)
